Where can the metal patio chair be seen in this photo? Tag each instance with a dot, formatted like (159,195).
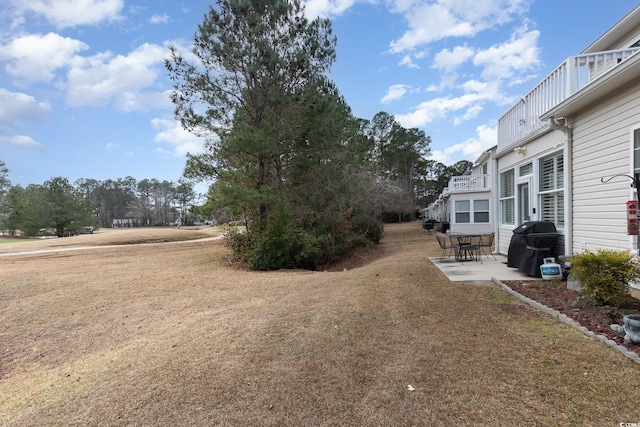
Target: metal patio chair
(446,245)
(486,241)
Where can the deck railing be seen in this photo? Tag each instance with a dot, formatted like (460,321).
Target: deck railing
(571,76)
(458,184)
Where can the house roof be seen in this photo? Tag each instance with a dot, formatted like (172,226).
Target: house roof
(621,35)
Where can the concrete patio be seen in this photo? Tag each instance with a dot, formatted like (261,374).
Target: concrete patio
(477,271)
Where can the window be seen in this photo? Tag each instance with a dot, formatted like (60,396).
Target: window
(481,211)
(526,169)
(507,198)
(552,189)
(463,211)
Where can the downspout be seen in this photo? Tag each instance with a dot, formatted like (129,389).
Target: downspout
(496,201)
(561,125)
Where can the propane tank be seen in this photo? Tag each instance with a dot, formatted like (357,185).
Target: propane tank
(550,269)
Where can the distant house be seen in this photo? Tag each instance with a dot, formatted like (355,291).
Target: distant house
(578,127)
(123,222)
(468,203)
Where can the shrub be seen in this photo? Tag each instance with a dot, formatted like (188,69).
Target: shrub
(368,228)
(605,274)
(285,243)
(239,243)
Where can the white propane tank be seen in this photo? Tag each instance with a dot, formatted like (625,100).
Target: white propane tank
(550,269)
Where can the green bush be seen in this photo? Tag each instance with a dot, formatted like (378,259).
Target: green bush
(285,243)
(239,243)
(368,228)
(605,274)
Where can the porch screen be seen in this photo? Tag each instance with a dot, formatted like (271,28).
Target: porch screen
(552,189)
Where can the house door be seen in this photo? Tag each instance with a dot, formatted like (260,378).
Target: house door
(524,205)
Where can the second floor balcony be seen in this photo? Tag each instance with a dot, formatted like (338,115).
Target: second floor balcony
(466,183)
(577,72)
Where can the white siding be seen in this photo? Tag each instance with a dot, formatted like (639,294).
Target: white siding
(546,143)
(601,149)
(473,227)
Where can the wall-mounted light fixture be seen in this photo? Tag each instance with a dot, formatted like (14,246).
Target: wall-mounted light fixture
(520,150)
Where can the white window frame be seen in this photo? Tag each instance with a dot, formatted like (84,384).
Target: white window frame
(457,211)
(551,194)
(635,151)
(508,198)
(472,211)
(475,210)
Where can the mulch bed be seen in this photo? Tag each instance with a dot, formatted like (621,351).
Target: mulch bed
(598,319)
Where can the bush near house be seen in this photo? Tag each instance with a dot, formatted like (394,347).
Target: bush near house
(605,274)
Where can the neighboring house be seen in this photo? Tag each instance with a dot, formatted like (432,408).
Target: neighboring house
(565,153)
(467,203)
(579,127)
(123,222)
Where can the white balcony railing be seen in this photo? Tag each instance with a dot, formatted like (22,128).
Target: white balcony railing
(571,76)
(458,184)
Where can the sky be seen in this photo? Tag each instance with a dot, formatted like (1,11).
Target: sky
(84,92)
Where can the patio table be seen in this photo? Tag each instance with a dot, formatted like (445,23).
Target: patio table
(466,251)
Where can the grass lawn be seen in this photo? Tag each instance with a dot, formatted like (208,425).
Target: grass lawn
(171,334)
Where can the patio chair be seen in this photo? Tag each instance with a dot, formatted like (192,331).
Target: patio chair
(486,241)
(475,243)
(446,245)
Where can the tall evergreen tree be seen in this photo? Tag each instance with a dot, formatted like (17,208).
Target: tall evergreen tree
(259,59)
(274,124)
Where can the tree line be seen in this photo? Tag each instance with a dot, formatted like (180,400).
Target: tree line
(60,208)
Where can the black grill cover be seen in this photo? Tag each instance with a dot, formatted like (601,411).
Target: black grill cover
(535,227)
(530,244)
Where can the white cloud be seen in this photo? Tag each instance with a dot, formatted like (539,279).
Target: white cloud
(160,19)
(439,108)
(172,133)
(16,107)
(35,58)
(104,78)
(394,93)
(111,146)
(71,13)
(427,23)
(21,140)
(470,113)
(326,8)
(486,137)
(437,19)
(407,61)
(520,53)
(448,60)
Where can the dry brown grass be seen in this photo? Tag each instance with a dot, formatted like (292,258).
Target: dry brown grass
(170,334)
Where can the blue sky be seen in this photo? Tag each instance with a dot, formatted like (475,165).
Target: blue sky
(84,93)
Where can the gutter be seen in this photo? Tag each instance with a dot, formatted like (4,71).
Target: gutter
(561,125)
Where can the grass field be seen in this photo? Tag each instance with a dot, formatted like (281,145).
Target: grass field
(167,332)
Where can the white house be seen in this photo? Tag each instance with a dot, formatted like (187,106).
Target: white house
(467,202)
(578,127)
